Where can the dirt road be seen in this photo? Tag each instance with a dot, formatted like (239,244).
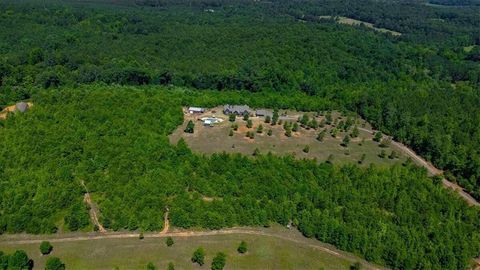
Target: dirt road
(432,170)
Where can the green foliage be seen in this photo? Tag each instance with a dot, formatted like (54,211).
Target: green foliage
(19,261)
(170,266)
(362,159)
(242,248)
(245,117)
(346,141)
(382,154)
(260,129)
(54,263)
(230,133)
(268,119)
(169,241)
(219,261)
(385,142)
(231,117)
(141,236)
(46,247)
(190,127)
(151,266)
(199,256)
(378,136)
(295,127)
(321,135)
(356,266)
(355,132)
(306,149)
(269,132)
(89,133)
(249,123)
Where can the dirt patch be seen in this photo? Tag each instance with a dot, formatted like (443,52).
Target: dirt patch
(10,109)
(94,212)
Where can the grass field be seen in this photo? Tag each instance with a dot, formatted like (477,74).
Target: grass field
(349,21)
(264,252)
(216,139)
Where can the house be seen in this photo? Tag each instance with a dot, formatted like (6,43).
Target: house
(21,107)
(236,109)
(195,110)
(263,113)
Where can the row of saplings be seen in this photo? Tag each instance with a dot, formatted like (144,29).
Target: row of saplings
(198,256)
(20,260)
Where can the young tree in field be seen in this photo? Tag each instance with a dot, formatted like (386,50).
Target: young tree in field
(330,159)
(230,133)
(169,241)
(361,142)
(382,154)
(199,256)
(306,149)
(235,127)
(256,152)
(355,132)
(245,117)
(322,123)
(171,266)
(288,133)
(269,132)
(356,266)
(393,155)
(378,136)
(190,127)
(54,263)
(140,236)
(385,143)
(328,118)
(304,120)
(295,127)
(313,123)
(268,119)
(345,141)
(362,159)
(334,132)
(249,123)
(231,117)
(275,117)
(46,247)
(321,136)
(151,266)
(219,261)
(242,248)
(260,129)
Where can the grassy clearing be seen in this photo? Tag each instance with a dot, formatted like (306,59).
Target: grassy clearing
(264,252)
(349,21)
(216,139)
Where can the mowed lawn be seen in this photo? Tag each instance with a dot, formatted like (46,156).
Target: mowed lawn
(264,252)
(216,139)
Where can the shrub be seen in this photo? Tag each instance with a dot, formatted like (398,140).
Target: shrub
(199,256)
(46,247)
(242,248)
(169,241)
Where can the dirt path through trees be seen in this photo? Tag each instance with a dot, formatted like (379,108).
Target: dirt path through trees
(432,170)
(93,209)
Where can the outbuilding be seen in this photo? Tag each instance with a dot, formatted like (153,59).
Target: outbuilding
(236,109)
(193,110)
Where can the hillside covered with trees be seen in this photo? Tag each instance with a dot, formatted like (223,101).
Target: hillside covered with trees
(115,140)
(108,79)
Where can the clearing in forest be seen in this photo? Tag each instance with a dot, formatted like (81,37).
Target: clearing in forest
(349,21)
(304,143)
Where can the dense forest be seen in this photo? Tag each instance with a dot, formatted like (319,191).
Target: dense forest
(421,87)
(115,140)
(108,79)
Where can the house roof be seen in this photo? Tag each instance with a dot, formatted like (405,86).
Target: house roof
(236,108)
(21,106)
(196,109)
(263,112)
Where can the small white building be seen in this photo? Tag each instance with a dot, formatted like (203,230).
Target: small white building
(193,110)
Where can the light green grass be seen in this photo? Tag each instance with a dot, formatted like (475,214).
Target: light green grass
(264,252)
